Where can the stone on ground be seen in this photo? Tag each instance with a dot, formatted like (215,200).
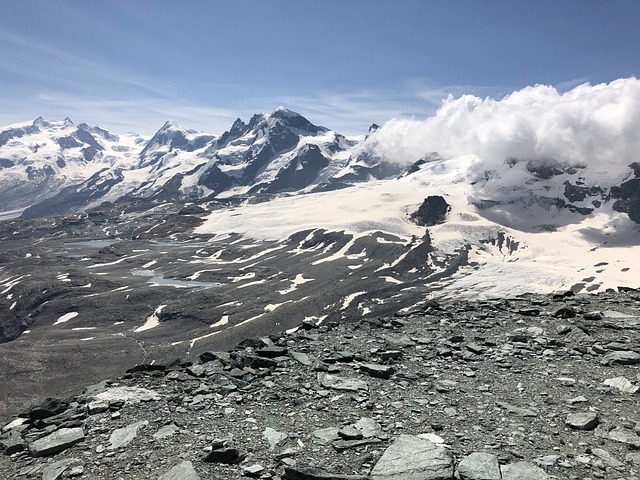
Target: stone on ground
(412,458)
(479,466)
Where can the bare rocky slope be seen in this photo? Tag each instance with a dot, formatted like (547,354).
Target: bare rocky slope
(530,387)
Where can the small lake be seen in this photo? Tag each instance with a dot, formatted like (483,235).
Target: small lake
(155,279)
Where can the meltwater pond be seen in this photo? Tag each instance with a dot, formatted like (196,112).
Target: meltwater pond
(156,280)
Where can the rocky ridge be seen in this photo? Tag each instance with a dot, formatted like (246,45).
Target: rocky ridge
(531,387)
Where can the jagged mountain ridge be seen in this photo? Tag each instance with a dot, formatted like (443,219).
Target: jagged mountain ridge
(59,168)
(50,168)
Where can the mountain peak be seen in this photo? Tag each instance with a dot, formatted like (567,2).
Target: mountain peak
(68,122)
(284,112)
(290,119)
(171,125)
(41,122)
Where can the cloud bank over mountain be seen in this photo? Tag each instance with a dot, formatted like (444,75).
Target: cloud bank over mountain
(594,125)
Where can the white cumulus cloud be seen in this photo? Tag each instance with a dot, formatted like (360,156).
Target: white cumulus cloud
(595,125)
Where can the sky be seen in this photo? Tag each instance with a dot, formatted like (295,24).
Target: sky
(130,65)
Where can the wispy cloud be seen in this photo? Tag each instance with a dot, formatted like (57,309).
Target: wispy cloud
(142,115)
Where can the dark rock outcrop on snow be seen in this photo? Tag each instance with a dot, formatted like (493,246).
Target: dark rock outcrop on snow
(433,211)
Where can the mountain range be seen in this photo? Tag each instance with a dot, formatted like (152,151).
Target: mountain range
(52,168)
(138,249)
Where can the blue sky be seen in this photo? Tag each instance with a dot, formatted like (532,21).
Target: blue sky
(130,65)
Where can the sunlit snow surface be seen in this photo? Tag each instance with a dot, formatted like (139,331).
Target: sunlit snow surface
(544,261)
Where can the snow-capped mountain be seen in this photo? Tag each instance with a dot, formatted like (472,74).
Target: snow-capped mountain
(177,273)
(49,168)
(56,167)
(39,159)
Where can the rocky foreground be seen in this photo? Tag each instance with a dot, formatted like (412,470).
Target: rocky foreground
(533,387)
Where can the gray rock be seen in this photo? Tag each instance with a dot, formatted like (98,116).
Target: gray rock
(271,352)
(547,460)
(625,357)
(75,471)
(274,437)
(342,444)
(625,436)
(397,342)
(181,471)
(197,370)
(341,383)
(55,470)
(582,421)
(122,437)
(375,370)
(369,427)
(296,473)
(633,457)
(56,442)
(579,399)
(413,458)
(390,355)
(91,390)
(326,435)
(621,384)
(302,358)
(11,442)
(127,394)
(607,458)
(479,466)
(253,470)
(564,311)
(166,431)
(350,433)
(518,411)
(97,406)
(521,471)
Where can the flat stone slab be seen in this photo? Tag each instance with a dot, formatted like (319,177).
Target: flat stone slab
(304,473)
(127,394)
(375,370)
(55,470)
(582,421)
(122,437)
(414,458)
(622,384)
(518,411)
(56,442)
(166,431)
(301,357)
(181,471)
(326,435)
(369,427)
(341,383)
(627,357)
(274,437)
(479,466)
(625,436)
(522,470)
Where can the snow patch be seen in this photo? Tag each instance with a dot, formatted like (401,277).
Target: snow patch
(66,317)
(152,322)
